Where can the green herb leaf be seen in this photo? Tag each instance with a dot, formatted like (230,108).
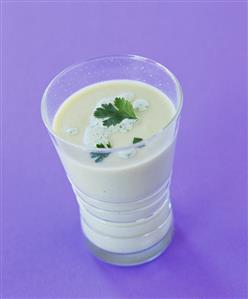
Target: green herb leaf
(101,145)
(125,108)
(114,114)
(99,157)
(136,140)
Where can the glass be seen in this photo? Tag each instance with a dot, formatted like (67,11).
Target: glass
(124,204)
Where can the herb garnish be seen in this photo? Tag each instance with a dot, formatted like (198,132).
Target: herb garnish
(98,157)
(114,114)
(136,140)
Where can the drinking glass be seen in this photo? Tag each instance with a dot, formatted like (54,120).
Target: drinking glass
(124,204)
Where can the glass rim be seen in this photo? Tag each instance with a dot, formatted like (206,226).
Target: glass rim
(122,148)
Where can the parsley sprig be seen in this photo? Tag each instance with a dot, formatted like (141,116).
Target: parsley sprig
(137,139)
(113,114)
(99,157)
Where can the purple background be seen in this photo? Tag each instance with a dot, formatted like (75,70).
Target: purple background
(204,44)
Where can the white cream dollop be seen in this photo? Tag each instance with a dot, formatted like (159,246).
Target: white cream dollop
(126,125)
(71,131)
(140,105)
(96,132)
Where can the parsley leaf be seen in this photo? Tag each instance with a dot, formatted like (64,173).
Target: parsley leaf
(136,140)
(114,114)
(101,145)
(99,157)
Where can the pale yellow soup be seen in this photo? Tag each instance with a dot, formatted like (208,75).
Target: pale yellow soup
(76,110)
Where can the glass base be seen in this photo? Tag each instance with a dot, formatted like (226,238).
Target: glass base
(132,259)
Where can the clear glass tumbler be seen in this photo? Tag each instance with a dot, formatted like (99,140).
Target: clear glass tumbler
(124,204)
